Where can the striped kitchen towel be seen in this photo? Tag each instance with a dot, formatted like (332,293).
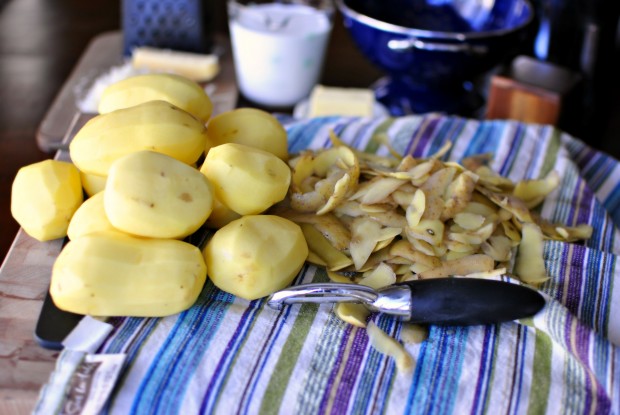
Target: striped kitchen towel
(226,355)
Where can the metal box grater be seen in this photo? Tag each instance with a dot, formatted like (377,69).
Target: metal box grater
(185,25)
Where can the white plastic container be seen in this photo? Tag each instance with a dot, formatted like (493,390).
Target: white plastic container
(278,50)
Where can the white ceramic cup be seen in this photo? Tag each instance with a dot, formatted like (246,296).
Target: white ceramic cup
(279,48)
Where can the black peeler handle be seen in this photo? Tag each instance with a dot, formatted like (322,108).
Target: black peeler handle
(471,301)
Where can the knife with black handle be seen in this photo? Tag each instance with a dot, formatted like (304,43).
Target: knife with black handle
(440,301)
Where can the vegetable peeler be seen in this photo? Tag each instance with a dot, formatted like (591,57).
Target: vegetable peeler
(442,301)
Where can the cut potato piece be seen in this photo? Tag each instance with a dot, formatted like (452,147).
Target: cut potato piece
(153,195)
(246,179)
(255,255)
(44,197)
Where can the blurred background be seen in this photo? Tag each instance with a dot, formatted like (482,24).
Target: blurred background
(42,40)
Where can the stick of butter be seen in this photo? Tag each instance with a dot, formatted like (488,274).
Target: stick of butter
(195,66)
(341,101)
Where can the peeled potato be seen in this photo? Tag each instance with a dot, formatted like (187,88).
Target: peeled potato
(155,125)
(175,89)
(255,255)
(105,274)
(153,195)
(246,179)
(44,197)
(252,127)
(221,215)
(92,183)
(90,218)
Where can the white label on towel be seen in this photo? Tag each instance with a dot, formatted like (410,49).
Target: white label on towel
(80,384)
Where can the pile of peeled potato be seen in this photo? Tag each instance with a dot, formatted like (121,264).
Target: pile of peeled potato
(154,175)
(156,167)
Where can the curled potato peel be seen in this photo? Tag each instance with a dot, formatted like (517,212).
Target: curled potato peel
(336,172)
(444,218)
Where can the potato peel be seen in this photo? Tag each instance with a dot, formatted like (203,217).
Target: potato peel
(530,265)
(389,346)
(354,314)
(424,218)
(413,333)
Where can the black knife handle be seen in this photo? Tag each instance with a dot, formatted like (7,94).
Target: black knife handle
(471,301)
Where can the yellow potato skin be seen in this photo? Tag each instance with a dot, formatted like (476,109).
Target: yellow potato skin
(246,179)
(255,255)
(44,197)
(251,127)
(178,90)
(153,195)
(105,274)
(155,125)
(90,218)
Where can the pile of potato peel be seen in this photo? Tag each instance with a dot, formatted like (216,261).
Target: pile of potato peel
(377,221)
(423,218)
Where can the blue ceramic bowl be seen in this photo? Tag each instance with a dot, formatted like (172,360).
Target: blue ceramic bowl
(431,48)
